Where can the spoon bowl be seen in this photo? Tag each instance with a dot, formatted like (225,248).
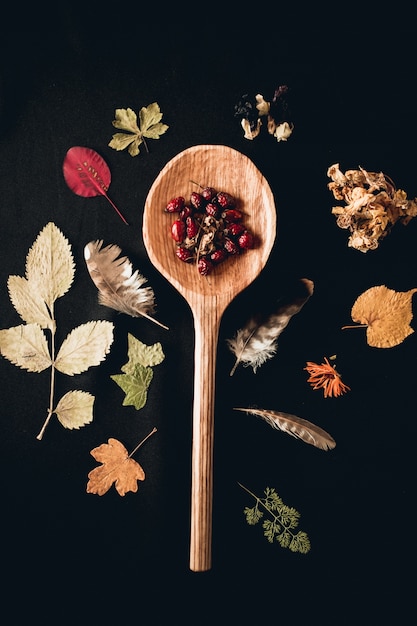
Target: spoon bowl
(224,169)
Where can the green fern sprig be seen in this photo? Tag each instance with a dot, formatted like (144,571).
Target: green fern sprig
(283,523)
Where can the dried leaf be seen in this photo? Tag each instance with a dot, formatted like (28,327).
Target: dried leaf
(119,287)
(295,426)
(75,409)
(50,265)
(386,314)
(138,371)
(281,527)
(26,347)
(135,385)
(150,127)
(117,467)
(139,352)
(87,174)
(257,341)
(84,347)
(25,297)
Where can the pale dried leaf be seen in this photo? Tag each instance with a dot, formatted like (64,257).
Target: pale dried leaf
(117,467)
(26,346)
(75,409)
(387,315)
(50,265)
(84,347)
(139,352)
(25,297)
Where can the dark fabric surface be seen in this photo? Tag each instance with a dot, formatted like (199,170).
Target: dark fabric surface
(70,557)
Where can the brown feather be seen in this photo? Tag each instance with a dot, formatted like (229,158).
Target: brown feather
(119,287)
(295,426)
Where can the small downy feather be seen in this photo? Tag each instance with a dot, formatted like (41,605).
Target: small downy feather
(257,341)
(119,287)
(295,426)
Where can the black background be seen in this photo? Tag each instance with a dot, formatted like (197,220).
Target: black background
(77,558)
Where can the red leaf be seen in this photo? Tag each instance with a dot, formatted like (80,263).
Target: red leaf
(87,174)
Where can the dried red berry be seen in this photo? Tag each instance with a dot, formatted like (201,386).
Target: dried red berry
(246,240)
(226,200)
(212,209)
(234,229)
(218,255)
(230,246)
(208,193)
(204,266)
(232,215)
(184,254)
(178,231)
(192,227)
(186,212)
(175,205)
(196,200)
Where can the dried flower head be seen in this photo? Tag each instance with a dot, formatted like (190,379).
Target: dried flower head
(251,108)
(326,377)
(373,205)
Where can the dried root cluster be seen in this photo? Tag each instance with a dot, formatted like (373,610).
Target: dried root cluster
(373,205)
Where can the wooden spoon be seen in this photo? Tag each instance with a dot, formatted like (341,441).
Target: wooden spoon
(208,296)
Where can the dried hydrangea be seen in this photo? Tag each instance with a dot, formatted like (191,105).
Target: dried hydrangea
(373,205)
(250,109)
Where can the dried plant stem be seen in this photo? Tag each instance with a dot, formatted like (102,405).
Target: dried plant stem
(154,429)
(52,386)
(349,326)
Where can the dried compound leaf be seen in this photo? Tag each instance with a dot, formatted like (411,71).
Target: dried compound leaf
(117,467)
(25,297)
(26,346)
(49,264)
(386,314)
(75,409)
(84,347)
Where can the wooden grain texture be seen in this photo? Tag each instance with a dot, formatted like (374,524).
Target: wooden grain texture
(228,170)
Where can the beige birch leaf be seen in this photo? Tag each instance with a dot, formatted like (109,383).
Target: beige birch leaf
(24,296)
(386,314)
(50,264)
(84,347)
(26,346)
(75,409)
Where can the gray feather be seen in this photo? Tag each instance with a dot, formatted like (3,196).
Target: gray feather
(257,341)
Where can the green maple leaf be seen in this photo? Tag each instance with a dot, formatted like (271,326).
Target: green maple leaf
(149,127)
(135,385)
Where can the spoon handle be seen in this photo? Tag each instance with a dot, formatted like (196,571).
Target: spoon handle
(206,323)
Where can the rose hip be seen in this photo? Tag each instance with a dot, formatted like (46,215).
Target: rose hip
(175,205)
(178,231)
